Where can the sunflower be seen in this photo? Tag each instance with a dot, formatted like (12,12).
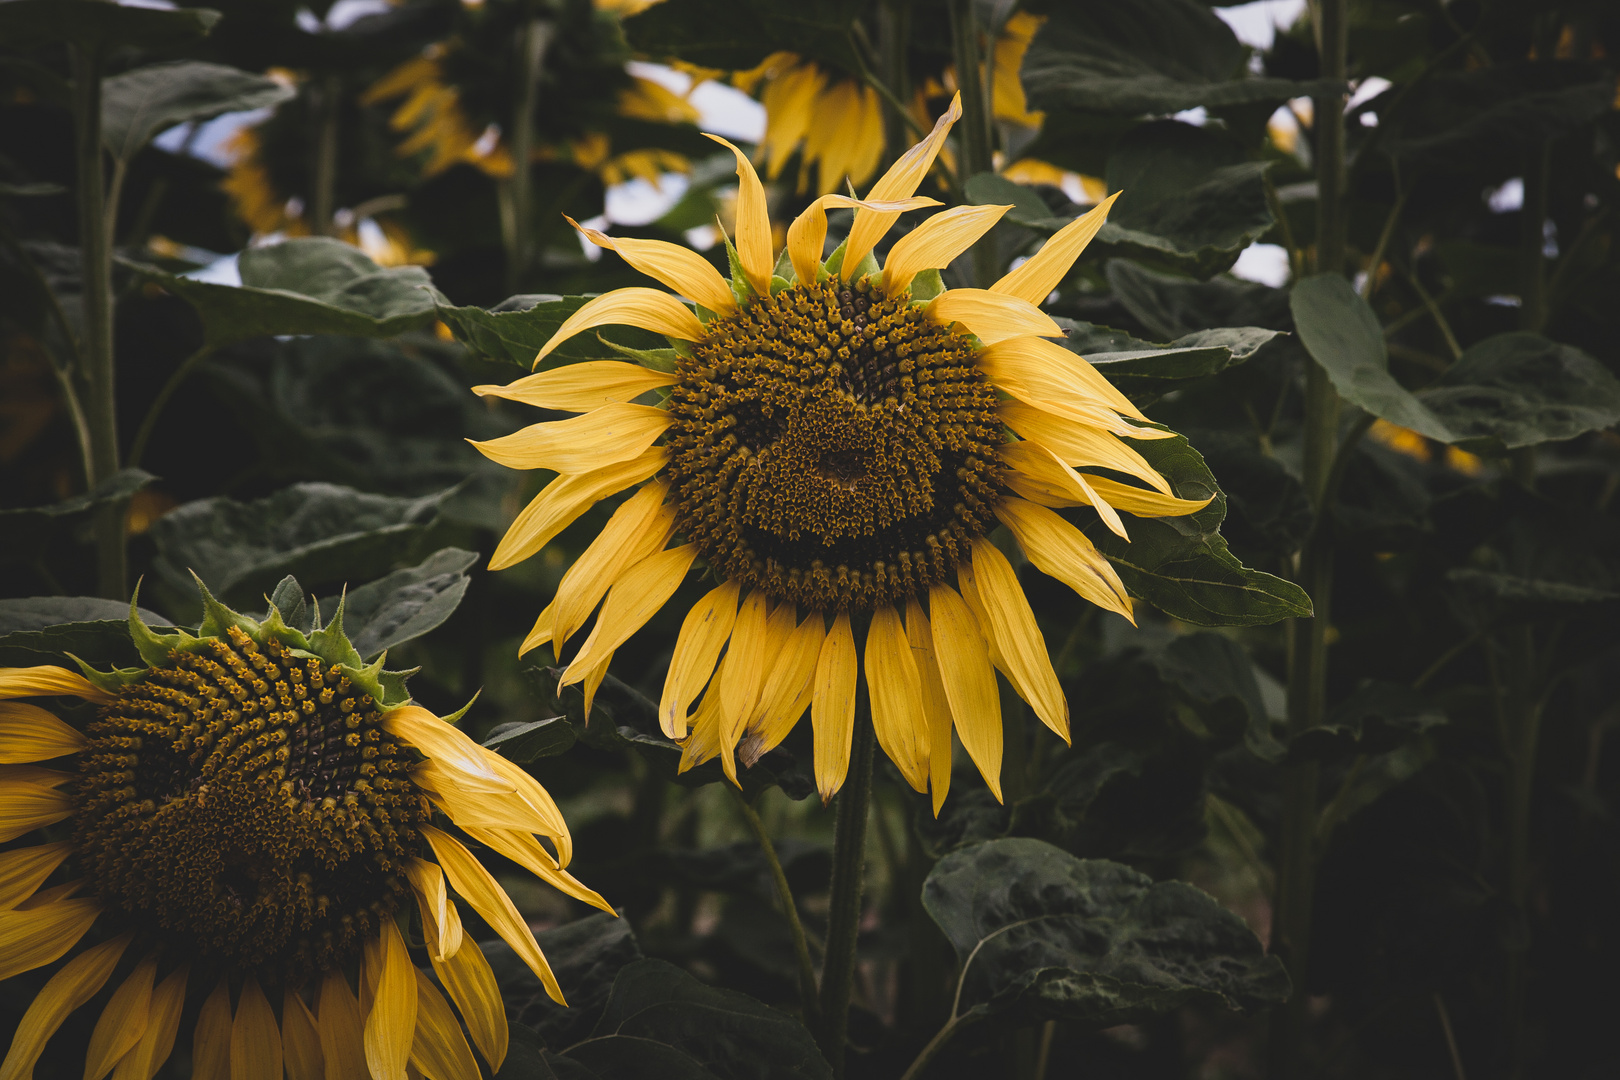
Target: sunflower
(248,816)
(836,449)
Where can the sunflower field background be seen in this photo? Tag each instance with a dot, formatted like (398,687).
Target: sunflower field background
(1333,798)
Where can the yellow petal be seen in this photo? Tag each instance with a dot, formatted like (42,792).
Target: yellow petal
(342,1029)
(1061,550)
(1035,369)
(1032,467)
(23,870)
(936,706)
(1079,444)
(79,980)
(808,233)
(788,690)
(469,878)
(48,680)
(441,922)
(470,982)
(936,242)
(896,694)
(753,223)
(990,316)
(832,706)
(255,1038)
(1046,269)
(1133,500)
(122,1022)
(589,384)
(899,182)
(391,1024)
(969,680)
(647,308)
(637,529)
(162,1025)
(444,743)
(440,1050)
(613,433)
(34,776)
(527,852)
(703,742)
(565,499)
(300,1039)
(470,808)
(29,733)
(744,673)
(211,1039)
(678,268)
(703,634)
(1023,648)
(34,937)
(634,598)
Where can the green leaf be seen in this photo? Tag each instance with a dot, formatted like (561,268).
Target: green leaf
(405,604)
(738,34)
(1170,306)
(138,104)
(1087,941)
(45,629)
(660,1021)
(1146,57)
(1212,669)
(515,330)
(585,955)
(321,533)
(1516,591)
(1342,334)
(311,285)
(1146,371)
(1182,566)
(25,23)
(524,743)
(25,531)
(1521,389)
(1377,717)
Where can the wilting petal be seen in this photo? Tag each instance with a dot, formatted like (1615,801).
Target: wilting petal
(753,223)
(896,693)
(614,433)
(697,647)
(970,681)
(936,706)
(1061,550)
(990,316)
(899,182)
(647,308)
(391,1025)
(635,598)
(29,733)
(525,850)
(589,384)
(680,268)
(1023,648)
(1078,444)
(832,706)
(79,980)
(936,242)
(441,922)
(470,982)
(1046,269)
(565,499)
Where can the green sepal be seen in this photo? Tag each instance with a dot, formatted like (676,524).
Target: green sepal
(779,284)
(926,285)
(154,648)
(740,289)
(835,261)
(110,681)
(681,348)
(331,644)
(656,359)
(217,618)
(784,270)
(455,717)
(388,687)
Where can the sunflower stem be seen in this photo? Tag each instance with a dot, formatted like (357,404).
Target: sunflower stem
(533,38)
(790,911)
(1307,681)
(97,349)
(844,910)
(328,102)
(894,34)
(975,125)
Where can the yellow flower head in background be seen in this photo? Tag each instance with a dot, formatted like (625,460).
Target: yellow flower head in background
(246,817)
(835,123)
(433,114)
(834,446)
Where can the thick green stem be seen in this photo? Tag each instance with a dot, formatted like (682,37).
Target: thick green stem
(894,34)
(844,910)
(322,202)
(532,41)
(975,126)
(97,349)
(1307,682)
(790,910)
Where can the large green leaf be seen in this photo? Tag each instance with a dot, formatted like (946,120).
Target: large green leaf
(1213,670)
(1182,566)
(585,955)
(660,1021)
(97,23)
(1088,941)
(45,629)
(1343,335)
(1146,371)
(25,531)
(1142,58)
(1170,305)
(138,104)
(1520,389)
(322,533)
(516,329)
(405,604)
(738,34)
(311,285)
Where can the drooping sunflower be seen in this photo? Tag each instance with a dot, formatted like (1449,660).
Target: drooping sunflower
(248,816)
(838,440)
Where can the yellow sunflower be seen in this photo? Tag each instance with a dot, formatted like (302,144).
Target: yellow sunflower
(836,449)
(247,817)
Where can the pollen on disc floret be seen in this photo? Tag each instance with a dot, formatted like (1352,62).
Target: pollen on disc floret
(834,446)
